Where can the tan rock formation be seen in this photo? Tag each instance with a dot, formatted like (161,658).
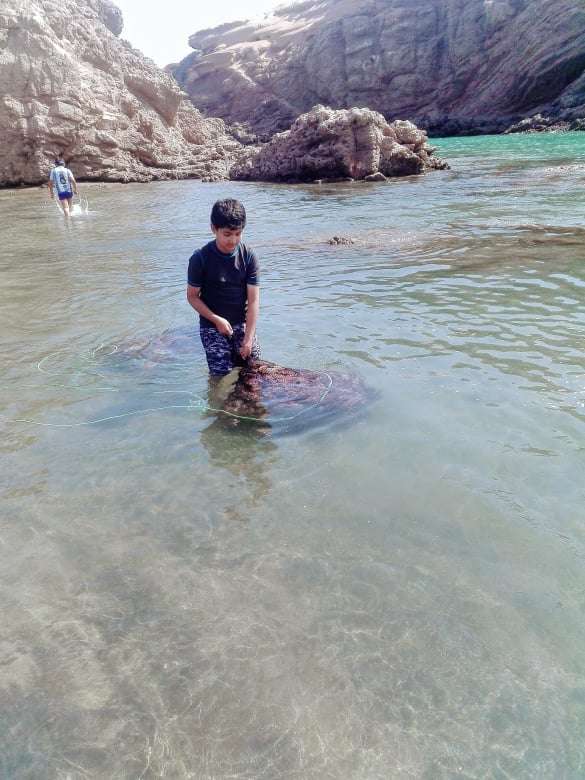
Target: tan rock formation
(325,144)
(448,65)
(70,87)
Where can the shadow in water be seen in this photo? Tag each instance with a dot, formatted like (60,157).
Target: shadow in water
(246,453)
(264,401)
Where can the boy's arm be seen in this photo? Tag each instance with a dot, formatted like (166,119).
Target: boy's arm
(50,185)
(73,182)
(203,309)
(251,319)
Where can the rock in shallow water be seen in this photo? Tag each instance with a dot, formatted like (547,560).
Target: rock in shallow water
(341,241)
(328,144)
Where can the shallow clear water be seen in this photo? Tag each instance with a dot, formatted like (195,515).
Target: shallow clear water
(399,593)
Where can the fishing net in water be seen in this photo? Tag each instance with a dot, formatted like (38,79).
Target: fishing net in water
(151,375)
(272,394)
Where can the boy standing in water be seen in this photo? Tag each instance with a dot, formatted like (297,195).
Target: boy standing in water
(62,181)
(223,288)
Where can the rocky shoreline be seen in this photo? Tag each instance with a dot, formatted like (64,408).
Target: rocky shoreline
(73,88)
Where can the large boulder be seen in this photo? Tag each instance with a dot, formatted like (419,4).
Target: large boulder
(71,87)
(327,144)
(448,65)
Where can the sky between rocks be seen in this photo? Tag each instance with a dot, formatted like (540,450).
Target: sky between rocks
(161,30)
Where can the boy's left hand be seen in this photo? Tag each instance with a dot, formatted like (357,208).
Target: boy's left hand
(246,348)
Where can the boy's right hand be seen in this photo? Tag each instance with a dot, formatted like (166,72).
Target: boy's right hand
(223,326)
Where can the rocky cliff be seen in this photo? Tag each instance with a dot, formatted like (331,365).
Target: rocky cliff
(449,65)
(69,86)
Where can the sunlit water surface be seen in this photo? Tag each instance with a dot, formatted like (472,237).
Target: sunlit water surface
(396,594)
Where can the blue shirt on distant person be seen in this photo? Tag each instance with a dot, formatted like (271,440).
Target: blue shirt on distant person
(62,180)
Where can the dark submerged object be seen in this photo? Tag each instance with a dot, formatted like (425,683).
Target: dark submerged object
(164,348)
(286,399)
(266,397)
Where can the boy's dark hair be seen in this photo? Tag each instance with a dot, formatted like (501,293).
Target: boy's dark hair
(59,161)
(228,213)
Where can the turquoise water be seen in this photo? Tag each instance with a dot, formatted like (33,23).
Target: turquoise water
(518,148)
(398,593)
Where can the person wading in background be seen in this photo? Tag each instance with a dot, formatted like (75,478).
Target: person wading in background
(62,182)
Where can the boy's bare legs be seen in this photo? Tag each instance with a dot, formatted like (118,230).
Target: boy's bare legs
(66,206)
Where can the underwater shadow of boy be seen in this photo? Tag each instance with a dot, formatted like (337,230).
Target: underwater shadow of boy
(247,454)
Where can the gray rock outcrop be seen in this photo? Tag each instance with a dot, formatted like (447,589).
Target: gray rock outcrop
(448,65)
(70,87)
(350,143)
(541,124)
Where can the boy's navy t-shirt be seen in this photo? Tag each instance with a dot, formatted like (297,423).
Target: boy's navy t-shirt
(223,279)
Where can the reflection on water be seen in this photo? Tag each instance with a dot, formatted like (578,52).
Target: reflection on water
(394,593)
(246,454)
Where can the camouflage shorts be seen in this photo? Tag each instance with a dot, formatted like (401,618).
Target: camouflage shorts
(223,352)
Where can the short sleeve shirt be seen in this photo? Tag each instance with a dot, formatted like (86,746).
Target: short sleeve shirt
(223,280)
(61,178)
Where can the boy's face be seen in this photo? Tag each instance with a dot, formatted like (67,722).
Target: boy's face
(227,238)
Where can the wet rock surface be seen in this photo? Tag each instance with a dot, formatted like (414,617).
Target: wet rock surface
(338,145)
(71,87)
(341,241)
(451,66)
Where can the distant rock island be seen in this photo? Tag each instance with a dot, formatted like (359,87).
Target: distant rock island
(71,87)
(344,144)
(450,66)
